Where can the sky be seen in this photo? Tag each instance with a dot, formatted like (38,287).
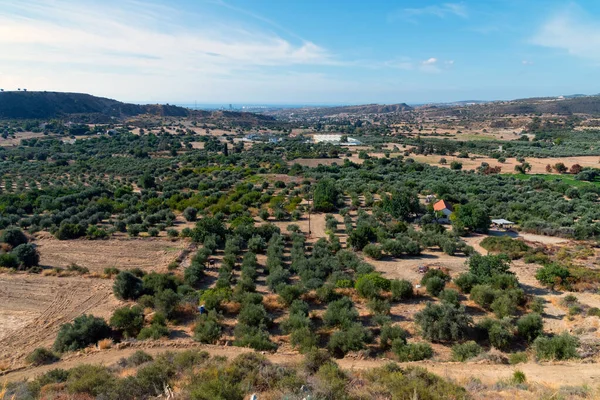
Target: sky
(301,51)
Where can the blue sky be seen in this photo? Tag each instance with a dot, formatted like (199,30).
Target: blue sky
(301,52)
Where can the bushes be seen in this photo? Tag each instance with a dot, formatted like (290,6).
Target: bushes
(127,286)
(390,333)
(561,347)
(340,313)
(373,251)
(252,336)
(27,255)
(401,289)
(411,351)
(530,326)
(128,320)
(82,332)
(514,248)
(41,356)
(208,328)
(156,330)
(552,275)
(466,281)
(166,301)
(464,351)
(370,285)
(351,338)
(435,285)
(442,322)
(13,236)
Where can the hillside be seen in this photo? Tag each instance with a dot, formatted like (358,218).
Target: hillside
(589,105)
(43,105)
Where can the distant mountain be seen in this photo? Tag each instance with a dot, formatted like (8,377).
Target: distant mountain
(45,105)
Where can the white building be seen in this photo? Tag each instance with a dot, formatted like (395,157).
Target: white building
(335,139)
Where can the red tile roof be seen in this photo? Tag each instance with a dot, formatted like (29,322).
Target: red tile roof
(442,205)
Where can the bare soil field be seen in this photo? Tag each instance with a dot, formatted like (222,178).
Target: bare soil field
(149,254)
(18,137)
(538,165)
(34,307)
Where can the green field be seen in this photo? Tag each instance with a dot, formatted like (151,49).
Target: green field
(568,179)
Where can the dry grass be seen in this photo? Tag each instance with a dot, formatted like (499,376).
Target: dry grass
(105,344)
(273,303)
(231,307)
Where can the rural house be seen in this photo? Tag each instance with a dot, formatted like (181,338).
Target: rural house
(444,207)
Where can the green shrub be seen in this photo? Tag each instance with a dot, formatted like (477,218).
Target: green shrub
(514,248)
(208,328)
(83,331)
(212,298)
(552,275)
(166,301)
(90,379)
(254,337)
(340,313)
(128,320)
(295,322)
(289,293)
(500,336)
(304,339)
(401,289)
(518,378)
(530,326)
(373,251)
(442,322)
(41,356)
(466,282)
(465,351)
(155,331)
(483,295)
(517,358)
(594,311)
(435,285)
(350,338)
(127,286)
(434,273)
(504,305)
(254,315)
(370,285)
(561,347)
(537,305)
(450,296)
(389,333)
(138,358)
(379,306)
(8,260)
(411,351)
(314,359)
(13,236)
(27,255)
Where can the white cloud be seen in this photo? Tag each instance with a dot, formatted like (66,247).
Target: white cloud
(570,31)
(440,11)
(527,62)
(125,47)
(430,61)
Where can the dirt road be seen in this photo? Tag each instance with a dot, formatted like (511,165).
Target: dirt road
(552,374)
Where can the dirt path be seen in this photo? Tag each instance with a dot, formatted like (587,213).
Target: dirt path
(554,374)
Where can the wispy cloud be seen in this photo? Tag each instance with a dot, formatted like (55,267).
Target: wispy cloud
(70,39)
(440,11)
(571,31)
